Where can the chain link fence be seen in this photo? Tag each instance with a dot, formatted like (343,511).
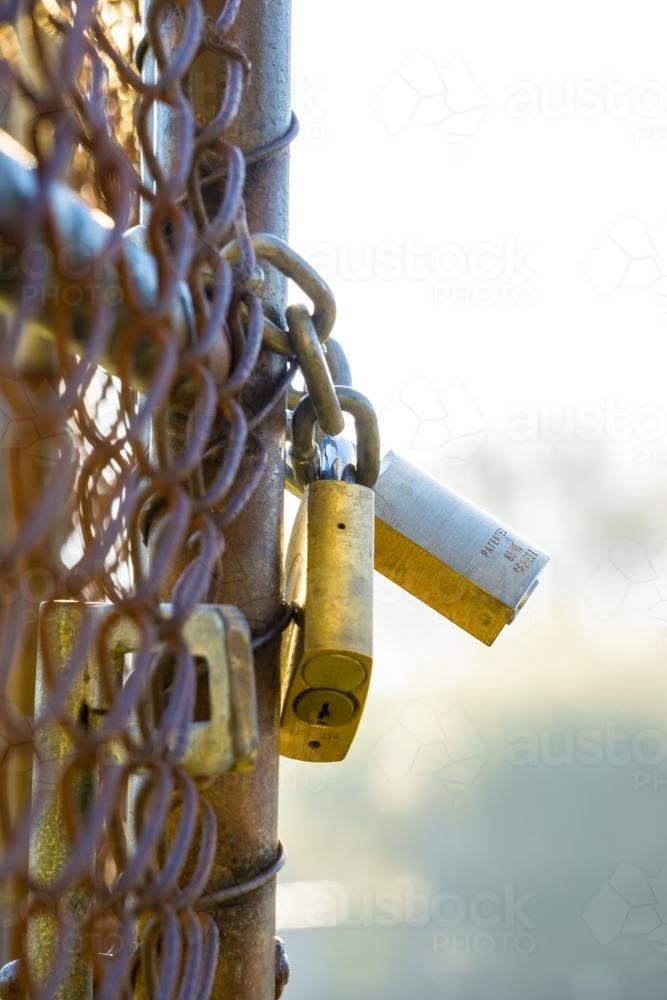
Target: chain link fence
(128,444)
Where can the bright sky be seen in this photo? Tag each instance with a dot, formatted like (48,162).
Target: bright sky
(484,187)
(563,126)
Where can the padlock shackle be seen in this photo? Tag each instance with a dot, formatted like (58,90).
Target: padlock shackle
(306,454)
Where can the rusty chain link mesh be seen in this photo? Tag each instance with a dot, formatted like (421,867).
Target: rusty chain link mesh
(83,490)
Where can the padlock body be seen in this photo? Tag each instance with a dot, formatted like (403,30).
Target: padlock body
(447,552)
(327,650)
(220,642)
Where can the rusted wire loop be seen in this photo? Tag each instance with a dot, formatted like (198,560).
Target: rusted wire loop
(119,758)
(285,615)
(211,38)
(278,253)
(276,145)
(252,156)
(306,455)
(229,895)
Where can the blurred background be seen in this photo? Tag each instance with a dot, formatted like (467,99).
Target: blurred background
(483,186)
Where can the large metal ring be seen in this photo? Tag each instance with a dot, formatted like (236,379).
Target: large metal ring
(278,253)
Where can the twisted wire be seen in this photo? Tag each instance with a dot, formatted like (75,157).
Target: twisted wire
(85,493)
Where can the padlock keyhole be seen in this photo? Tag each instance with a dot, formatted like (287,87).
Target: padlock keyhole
(324,713)
(202,712)
(165,688)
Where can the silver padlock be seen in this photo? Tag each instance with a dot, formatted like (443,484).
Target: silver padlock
(446,551)
(449,553)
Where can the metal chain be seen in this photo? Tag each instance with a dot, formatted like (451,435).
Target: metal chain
(78,520)
(278,253)
(173,308)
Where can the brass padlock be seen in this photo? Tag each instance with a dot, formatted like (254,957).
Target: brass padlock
(327,649)
(449,553)
(219,638)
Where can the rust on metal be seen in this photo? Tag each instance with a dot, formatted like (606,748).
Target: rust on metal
(249,574)
(154,880)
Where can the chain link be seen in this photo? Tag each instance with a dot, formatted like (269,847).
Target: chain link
(84,494)
(311,359)
(278,253)
(76,475)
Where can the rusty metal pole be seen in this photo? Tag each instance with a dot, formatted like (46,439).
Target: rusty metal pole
(246,805)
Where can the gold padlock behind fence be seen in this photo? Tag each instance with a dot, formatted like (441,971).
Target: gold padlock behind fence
(223,738)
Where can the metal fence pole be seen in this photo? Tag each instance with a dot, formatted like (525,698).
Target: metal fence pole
(246,805)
